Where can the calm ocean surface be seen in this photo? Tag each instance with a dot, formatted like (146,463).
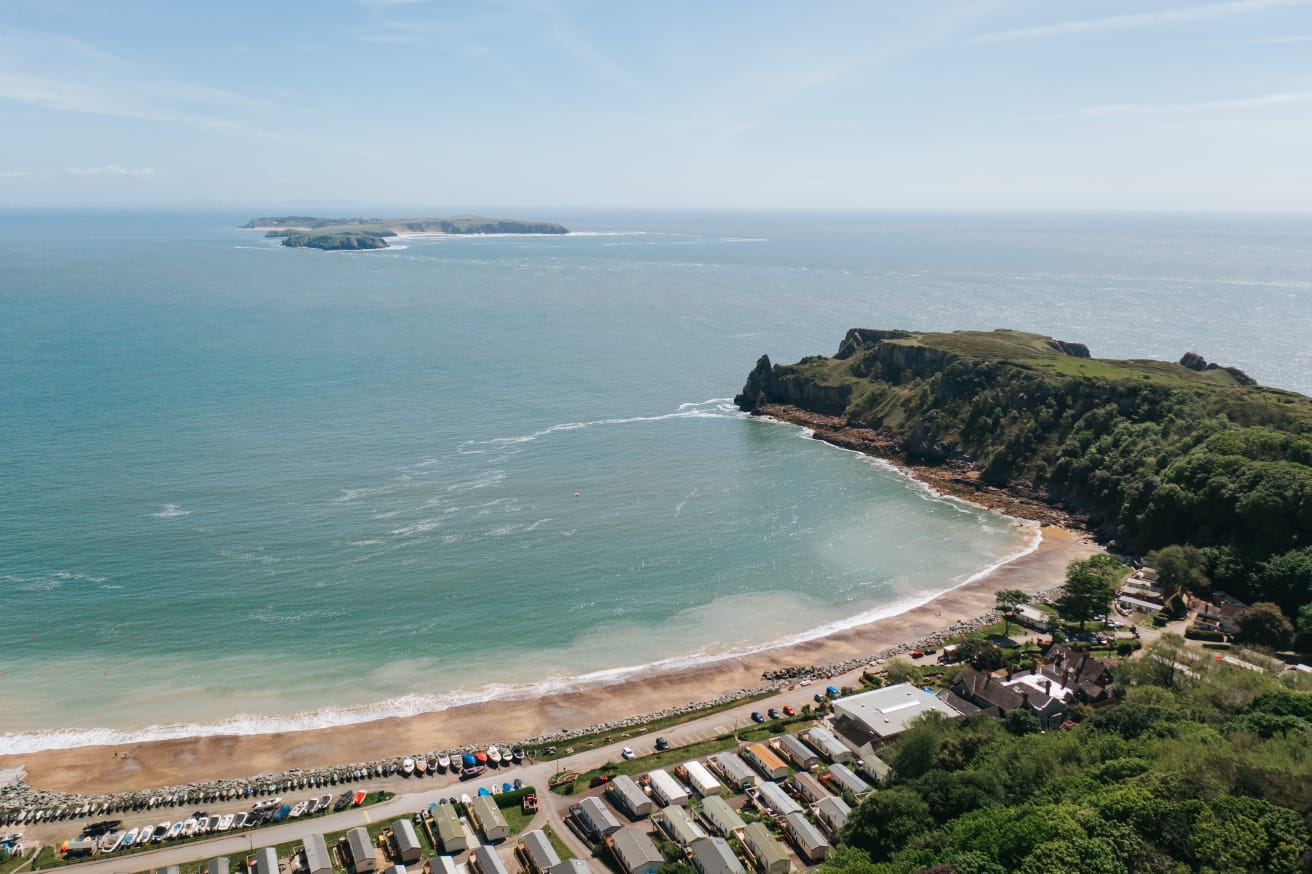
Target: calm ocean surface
(244,487)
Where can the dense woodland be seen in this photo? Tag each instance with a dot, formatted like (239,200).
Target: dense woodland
(1153,454)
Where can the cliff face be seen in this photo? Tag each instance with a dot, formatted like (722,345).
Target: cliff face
(1151,451)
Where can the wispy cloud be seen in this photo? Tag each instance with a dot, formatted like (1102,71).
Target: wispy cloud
(1279,98)
(109,170)
(1158,18)
(68,75)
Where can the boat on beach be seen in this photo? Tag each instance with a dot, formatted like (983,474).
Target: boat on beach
(494,755)
(174,831)
(225,822)
(421,766)
(188,827)
(432,764)
(443,762)
(517,754)
(111,841)
(408,766)
(129,839)
(299,809)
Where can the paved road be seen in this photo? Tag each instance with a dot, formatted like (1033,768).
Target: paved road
(415,794)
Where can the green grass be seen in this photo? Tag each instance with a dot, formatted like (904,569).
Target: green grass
(561,849)
(13,864)
(517,819)
(658,760)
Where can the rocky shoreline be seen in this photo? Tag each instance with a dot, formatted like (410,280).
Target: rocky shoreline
(19,796)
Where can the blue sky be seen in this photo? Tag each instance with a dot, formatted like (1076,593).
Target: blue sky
(539,103)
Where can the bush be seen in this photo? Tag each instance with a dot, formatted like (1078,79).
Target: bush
(1197,632)
(1125,647)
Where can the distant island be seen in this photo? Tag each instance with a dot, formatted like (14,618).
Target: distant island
(345,234)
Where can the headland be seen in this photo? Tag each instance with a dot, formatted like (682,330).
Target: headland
(334,234)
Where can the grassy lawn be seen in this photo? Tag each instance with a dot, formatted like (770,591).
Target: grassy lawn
(10,865)
(561,849)
(647,763)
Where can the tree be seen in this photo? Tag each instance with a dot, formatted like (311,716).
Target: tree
(1265,625)
(901,671)
(1020,721)
(1180,567)
(981,654)
(1304,639)
(884,823)
(1007,601)
(1090,585)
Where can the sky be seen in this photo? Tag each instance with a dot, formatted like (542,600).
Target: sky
(996,104)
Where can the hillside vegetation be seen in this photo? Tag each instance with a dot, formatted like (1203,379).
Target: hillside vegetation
(1152,453)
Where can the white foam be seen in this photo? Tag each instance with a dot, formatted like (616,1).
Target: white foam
(715,408)
(171,511)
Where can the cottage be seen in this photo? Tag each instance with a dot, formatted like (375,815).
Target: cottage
(488,819)
(714,856)
(629,797)
(635,851)
(666,789)
(406,842)
(829,746)
(484,860)
(771,797)
(701,779)
(808,787)
(266,861)
(536,852)
(220,865)
(361,849)
(596,818)
(847,781)
(678,826)
(883,714)
(832,813)
(1218,617)
(768,854)
(811,845)
(317,860)
(734,770)
(792,748)
(449,831)
(719,816)
(764,760)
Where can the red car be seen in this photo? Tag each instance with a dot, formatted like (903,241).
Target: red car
(598,780)
(789,711)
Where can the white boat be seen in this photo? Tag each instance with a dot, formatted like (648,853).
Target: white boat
(225,822)
(312,807)
(160,831)
(188,827)
(174,831)
(203,824)
(111,840)
(518,754)
(324,801)
(299,809)
(241,820)
(494,755)
(421,766)
(408,766)
(444,762)
(129,839)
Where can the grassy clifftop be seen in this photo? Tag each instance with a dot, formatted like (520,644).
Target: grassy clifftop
(1155,453)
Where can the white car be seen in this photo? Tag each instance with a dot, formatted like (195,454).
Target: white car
(628,753)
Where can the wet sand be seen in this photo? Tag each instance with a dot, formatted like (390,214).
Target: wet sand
(145,765)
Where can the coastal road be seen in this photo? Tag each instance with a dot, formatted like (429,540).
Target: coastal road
(414,794)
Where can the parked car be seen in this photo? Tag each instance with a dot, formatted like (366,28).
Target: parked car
(599,780)
(757,717)
(662,743)
(789,711)
(628,753)
(772,713)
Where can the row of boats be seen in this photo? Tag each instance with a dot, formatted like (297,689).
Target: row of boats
(269,810)
(467,764)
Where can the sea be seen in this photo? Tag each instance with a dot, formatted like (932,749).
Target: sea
(245,488)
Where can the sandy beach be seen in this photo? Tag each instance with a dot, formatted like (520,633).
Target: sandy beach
(139,766)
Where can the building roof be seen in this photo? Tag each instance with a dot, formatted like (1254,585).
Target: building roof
(669,788)
(985,691)
(1081,664)
(679,826)
(776,798)
(719,814)
(220,865)
(804,831)
(266,860)
(738,770)
(887,712)
(713,856)
(316,854)
(635,849)
(767,850)
(571,866)
(447,823)
(361,847)
(792,747)
(487,813)
(702,779)
(765,757)
(488,861)
(833,810)
(809,786)
(843,776)
(629,794)
(404,835)
(537,846)
(597,815)
(443,865)
(825,742)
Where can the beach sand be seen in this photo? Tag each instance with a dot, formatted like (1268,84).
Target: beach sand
(171,762)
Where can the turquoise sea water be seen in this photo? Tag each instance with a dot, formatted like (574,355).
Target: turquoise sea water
(244,487)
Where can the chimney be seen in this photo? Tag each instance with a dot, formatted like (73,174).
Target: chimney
(1047,688)
(1066,677)
(1010,673)
(1025,698)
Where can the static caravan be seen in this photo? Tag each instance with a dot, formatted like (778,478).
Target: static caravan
(832,812)
(628,795)
(811,845)
(773,797)
(829,746)
(443,865)
(484,860)
(408,850)
(764,760)
(702,780)
(791,746)
(220,865)
(596,818)
(488,818)
(536,852)
(809,787)
(317,860)
(635,851)
(266,861)
(847,781)
(721,818)
(714,856)
(678,826)
(572,866)
(735,771)
(769,855)
(666,789)
(361,849)
(446,822)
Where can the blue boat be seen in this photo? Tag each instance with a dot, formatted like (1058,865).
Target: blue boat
(282,813)
(505,787)
(470,761)
(483,791)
